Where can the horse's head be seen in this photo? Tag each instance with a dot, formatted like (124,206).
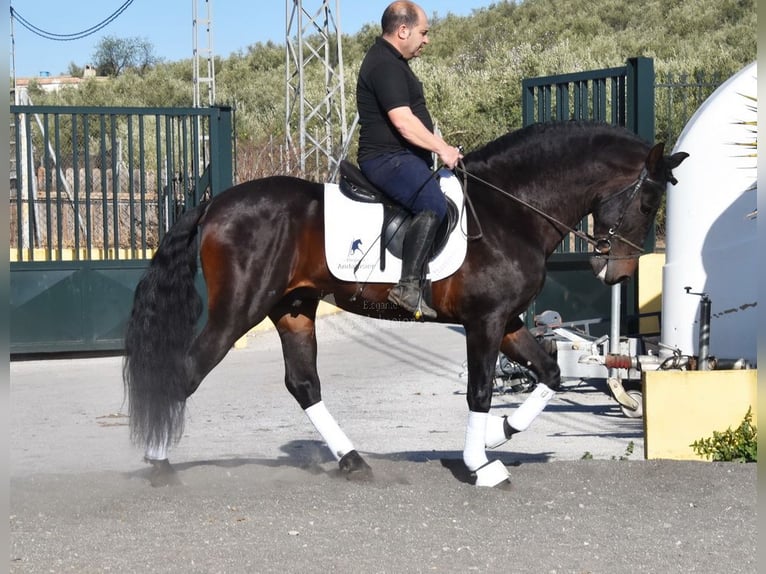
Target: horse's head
(622,220)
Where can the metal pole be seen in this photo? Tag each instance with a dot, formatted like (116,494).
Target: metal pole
(704,335)
(614,336)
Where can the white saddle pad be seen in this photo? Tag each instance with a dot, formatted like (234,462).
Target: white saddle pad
(352,237)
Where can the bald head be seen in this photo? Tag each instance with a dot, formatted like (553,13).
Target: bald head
(400,13)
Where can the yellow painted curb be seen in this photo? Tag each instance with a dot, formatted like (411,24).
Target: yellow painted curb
(681,407)
(324,308)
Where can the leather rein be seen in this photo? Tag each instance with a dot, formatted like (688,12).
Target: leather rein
(602,245)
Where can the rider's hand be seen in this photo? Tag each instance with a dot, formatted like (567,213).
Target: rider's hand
(450,156)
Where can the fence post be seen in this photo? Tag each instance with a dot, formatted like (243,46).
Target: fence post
(640,97)
(221,160)
(527,102)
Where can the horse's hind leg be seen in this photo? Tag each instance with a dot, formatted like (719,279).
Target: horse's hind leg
(295,319)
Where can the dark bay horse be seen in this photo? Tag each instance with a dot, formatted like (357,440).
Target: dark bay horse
(261,247)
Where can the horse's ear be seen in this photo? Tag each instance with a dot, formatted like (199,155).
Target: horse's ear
(655,158)
(671,162)
(661,166)
(675,160)
(651,197)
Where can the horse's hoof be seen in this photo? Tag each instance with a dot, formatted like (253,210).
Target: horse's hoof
(492,474)
(162,473)
(354,466)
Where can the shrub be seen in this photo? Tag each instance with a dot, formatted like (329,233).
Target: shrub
(738,445)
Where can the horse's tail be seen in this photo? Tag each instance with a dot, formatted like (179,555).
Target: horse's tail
(166,307)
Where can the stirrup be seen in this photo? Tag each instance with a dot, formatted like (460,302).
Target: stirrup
(420,310)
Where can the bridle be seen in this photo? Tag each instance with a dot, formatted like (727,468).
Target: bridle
(602,246)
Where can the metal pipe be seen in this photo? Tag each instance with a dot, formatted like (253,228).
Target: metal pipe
(704,333)
(613,375)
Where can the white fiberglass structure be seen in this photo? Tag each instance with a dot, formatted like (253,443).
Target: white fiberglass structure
(712,241)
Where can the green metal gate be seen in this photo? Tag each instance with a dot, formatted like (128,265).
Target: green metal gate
(620,96)
(93,191)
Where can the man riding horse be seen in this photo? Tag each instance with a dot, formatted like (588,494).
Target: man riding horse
(396,141)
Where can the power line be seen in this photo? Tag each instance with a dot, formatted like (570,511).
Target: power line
(69,37)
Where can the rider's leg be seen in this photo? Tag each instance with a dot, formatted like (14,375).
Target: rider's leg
(408,179)
(416,249)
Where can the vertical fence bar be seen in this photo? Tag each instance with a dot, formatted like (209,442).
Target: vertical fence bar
(19,184)
(170,173)
(88,188)
(142,182)
(640,97)
(31,222)
(562,101)
(581,100)
(76,188)
(195,167)
(160,187)
(220,139)
(131,191)
(48,184)
(104,185)
(115,165)
(59,186)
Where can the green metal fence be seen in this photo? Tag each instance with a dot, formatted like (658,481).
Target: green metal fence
(620,96)
(93,191)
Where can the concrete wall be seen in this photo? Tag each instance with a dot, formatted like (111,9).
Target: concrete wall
(681,407)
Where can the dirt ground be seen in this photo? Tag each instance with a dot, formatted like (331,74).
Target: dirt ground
(259,493)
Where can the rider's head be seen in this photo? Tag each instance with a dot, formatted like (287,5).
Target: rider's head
(405,26)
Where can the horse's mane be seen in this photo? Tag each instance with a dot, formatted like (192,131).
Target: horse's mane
(546,135)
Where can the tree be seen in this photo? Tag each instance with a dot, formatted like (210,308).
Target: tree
(74,70)
(114,56)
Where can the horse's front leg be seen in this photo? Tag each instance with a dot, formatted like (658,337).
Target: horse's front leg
(520,345)
(295,323)
(482,429)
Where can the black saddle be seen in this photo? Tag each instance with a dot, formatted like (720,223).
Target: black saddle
(396,218)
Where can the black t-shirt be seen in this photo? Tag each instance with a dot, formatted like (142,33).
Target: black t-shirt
(386,82)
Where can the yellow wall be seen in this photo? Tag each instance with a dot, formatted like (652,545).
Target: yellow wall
(681,407)
(68,254)
(650,290)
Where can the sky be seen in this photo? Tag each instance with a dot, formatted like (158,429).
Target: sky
(167,25)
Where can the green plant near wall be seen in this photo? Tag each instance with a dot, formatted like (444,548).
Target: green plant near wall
(738,445)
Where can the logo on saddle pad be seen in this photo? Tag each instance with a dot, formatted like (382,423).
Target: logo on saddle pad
(354,233)
(356,245)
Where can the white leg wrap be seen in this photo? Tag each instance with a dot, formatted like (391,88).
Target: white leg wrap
(495,433)
(531,408)
(492,474)
(326,426)
(157,451)
(475,431)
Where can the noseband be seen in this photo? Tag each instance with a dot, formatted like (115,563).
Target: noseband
(602,245)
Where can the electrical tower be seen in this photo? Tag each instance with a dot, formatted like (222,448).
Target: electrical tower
(314,49)
(203,51)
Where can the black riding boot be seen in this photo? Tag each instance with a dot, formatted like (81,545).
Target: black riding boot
(415,251)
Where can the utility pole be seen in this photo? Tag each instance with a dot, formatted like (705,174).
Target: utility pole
(203,51)
(315,123)
(13,60)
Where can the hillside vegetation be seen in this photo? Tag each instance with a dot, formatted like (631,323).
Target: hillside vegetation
(473,67)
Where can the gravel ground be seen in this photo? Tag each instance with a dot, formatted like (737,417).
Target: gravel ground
(259,493)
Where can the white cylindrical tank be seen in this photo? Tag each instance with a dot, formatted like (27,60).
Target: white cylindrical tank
(712,240)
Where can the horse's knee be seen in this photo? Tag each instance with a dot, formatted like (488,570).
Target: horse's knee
(549,372)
